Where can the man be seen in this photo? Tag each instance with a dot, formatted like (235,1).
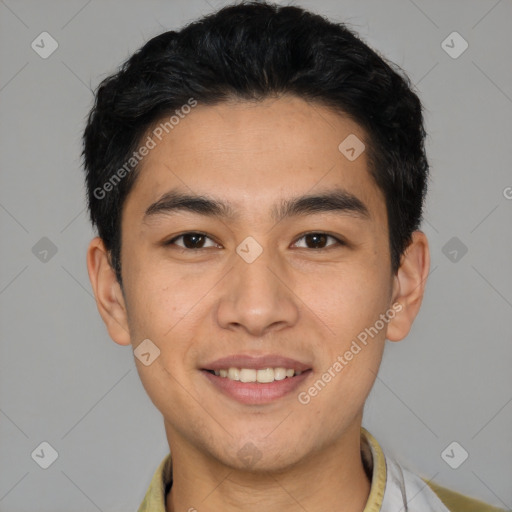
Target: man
(257,181)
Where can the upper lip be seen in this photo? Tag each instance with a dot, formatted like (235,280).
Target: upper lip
(256,362)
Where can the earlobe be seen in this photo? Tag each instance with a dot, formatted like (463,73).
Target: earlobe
(107,291)
(409,286)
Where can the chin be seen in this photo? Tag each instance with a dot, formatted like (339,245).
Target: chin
(263,455)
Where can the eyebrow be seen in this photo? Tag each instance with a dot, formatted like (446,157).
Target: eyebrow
(337,200)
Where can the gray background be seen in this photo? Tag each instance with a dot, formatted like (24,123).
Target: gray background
(62,380)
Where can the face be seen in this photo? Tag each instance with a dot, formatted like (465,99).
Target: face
(282,264)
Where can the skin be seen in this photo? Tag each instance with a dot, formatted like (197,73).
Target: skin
(297,299)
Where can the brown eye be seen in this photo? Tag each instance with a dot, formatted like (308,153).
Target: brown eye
(191,241)
(318,240)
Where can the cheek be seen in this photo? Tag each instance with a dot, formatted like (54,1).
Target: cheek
(167,310)
(162,300)
(346,301)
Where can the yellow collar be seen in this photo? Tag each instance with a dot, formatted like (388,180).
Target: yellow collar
(371,452)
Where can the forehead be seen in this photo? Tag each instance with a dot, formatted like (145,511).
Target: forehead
(252,153)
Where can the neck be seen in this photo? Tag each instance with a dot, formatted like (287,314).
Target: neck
(331,479)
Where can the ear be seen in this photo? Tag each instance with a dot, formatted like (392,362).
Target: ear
(107,291)
(409,286)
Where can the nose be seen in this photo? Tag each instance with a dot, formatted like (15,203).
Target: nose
(257,297)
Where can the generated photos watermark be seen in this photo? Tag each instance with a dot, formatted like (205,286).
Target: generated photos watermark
(150,143)
(304,397)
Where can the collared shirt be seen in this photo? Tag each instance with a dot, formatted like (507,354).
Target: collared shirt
(393,487)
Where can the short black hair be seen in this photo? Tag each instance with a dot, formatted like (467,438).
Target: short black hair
(252,51)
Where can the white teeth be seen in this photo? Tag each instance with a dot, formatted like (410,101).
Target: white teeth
(234,374)
(266,375)
(263,376)
(279,373)
(247,375)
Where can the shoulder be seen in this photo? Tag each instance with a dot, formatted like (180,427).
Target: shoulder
(456,502)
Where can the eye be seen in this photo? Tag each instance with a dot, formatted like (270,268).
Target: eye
(192,240)
(319,240)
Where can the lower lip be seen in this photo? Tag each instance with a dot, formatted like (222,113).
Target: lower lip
(254,392)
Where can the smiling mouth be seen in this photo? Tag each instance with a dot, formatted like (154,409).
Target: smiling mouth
(262,376)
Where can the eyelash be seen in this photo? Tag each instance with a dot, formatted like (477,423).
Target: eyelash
(173,240)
